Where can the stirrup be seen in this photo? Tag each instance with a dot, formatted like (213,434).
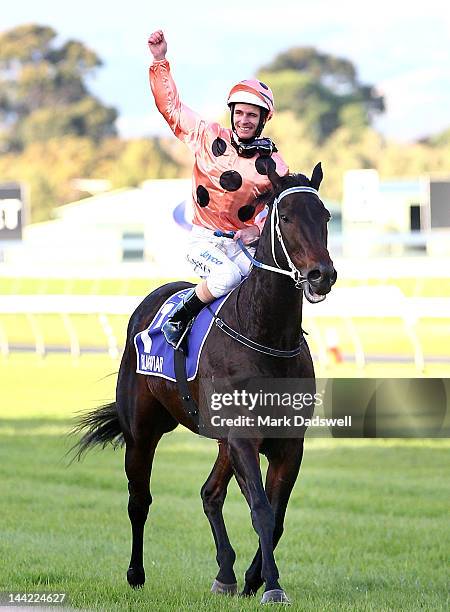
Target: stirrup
(175,332)
(184,335)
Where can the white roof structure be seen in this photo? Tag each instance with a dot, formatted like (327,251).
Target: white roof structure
(97,230)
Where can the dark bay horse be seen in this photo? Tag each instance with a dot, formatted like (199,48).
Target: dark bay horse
(268,307)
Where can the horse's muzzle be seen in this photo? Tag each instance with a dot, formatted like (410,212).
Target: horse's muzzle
(321,278)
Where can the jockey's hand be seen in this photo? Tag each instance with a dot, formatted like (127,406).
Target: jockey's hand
(247,235)
(157,45)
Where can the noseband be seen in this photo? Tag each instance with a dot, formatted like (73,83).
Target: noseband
(293,272)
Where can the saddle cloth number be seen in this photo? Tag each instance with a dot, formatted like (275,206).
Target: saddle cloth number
(146,339)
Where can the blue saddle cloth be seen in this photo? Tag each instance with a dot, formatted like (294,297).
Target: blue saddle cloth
(155,357)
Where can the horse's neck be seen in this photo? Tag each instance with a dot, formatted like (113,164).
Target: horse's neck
(273,306)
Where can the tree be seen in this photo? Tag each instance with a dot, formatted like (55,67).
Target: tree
(124,163)
(43,89)
(138,160)
(439,140)
(322,90)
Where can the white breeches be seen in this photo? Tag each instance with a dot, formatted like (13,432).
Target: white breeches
(219,260)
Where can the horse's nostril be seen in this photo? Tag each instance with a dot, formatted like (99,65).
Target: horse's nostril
(314,275)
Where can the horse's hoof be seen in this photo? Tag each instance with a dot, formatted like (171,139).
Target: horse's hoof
(136,577)
(219,588)
(275,596)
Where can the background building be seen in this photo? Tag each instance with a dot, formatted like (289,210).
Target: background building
(148,224)
(395,217)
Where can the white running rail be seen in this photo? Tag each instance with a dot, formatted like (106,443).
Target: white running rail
(348,304)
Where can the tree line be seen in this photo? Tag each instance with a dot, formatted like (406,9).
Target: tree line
(54,130)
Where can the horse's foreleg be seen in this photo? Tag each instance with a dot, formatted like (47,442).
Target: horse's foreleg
(213,496)
(138,465)
(245,461)
(281,476)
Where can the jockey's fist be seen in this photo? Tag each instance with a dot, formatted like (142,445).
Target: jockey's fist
(247,235)
(157,45)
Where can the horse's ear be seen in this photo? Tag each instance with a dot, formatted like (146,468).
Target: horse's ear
(274,177)
(317,176)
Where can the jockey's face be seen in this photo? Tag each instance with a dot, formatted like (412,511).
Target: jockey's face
(246,120)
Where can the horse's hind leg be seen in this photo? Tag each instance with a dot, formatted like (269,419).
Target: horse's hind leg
(281,476)
(213,496)
(138,464)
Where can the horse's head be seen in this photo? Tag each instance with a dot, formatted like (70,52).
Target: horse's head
(299,217)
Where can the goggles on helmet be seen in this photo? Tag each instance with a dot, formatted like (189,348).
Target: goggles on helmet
(263,146)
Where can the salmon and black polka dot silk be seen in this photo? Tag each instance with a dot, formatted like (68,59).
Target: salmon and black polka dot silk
(225,184)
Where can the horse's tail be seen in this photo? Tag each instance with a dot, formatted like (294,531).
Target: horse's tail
(99,427)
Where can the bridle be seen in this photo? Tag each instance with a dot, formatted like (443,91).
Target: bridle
(293,272)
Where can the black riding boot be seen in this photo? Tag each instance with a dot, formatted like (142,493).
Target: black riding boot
(176,324)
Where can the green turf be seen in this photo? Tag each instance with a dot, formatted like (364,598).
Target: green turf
(55,387)
(82,286)
(89,331)
(366,528)
(383,336)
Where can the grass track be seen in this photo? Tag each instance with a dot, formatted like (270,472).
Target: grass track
(366,529)
(366,526)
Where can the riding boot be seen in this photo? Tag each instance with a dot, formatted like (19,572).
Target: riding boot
(176,324)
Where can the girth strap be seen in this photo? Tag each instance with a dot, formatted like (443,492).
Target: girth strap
(261,348)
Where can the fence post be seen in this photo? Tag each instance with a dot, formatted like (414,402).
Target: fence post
(4,347)
(113,349)
(38,336)
(73,338)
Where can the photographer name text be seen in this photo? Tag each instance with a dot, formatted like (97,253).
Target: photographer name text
(267,421)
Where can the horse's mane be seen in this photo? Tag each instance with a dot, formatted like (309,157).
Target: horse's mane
(294,180)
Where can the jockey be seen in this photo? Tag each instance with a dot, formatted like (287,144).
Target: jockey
(230,172)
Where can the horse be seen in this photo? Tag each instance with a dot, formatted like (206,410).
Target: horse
(291,260)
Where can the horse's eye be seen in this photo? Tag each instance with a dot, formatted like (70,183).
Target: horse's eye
(284,218)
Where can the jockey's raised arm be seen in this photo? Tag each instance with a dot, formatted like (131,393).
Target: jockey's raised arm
(186,124)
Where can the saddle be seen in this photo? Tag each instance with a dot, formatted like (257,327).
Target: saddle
(155,357)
